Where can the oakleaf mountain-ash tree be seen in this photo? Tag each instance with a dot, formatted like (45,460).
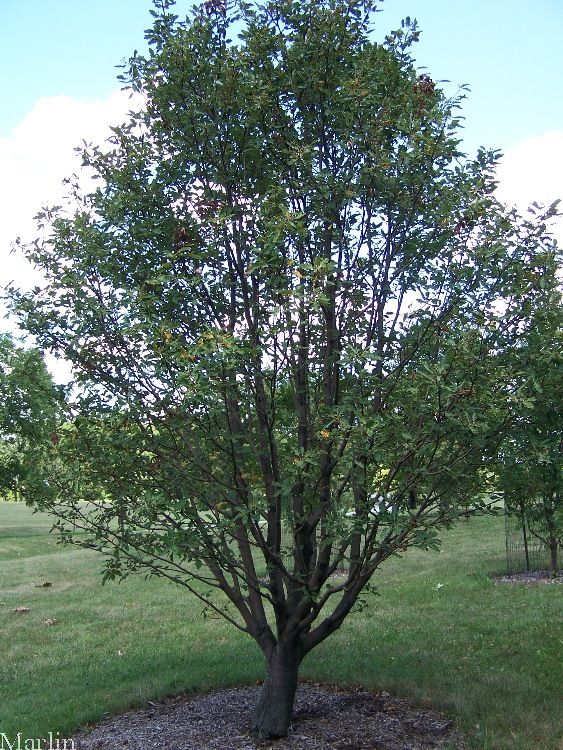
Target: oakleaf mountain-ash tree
(283,305)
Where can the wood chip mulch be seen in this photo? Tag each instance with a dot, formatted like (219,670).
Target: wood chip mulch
(530,577)
(325,718)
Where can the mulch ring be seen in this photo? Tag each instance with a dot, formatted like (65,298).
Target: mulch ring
(325,718)
(530,577)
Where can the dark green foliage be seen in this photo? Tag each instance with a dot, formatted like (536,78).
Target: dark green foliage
(531,456)
(284,306)
(29,416)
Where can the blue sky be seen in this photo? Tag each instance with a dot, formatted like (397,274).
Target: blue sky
(508,51)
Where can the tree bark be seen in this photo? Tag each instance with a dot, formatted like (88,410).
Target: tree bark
(272,714)
(553,561)
(552,540)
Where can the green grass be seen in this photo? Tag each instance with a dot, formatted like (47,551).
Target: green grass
(486,655)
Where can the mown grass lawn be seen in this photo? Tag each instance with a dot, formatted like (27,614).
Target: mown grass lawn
(439,632)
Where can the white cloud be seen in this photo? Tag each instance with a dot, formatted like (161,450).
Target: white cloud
(34,160)
(38,155)
(533,171)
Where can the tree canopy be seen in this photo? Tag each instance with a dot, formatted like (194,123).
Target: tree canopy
(531,455)
(284,305)
(29,414)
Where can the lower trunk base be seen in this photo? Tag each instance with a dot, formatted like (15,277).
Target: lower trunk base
(273,712)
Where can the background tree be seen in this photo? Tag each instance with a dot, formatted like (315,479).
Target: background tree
(285,297)
(531,456)
(28,415)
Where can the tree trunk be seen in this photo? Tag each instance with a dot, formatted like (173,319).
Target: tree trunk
(272,715)
(552,539)
(553,562)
